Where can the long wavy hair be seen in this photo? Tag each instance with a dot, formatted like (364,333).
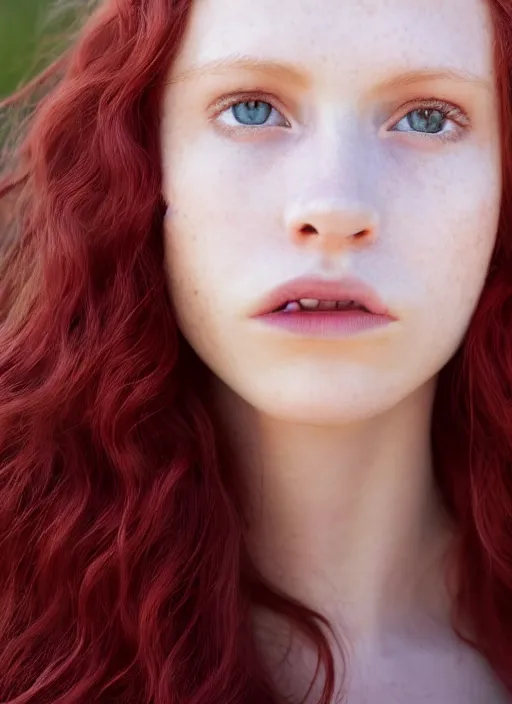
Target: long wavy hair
(124,575)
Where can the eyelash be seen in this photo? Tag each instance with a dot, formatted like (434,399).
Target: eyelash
(449,111)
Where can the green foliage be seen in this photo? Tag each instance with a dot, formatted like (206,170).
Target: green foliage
(22,31)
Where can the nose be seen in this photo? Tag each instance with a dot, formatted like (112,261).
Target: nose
(332,195)
(331,223)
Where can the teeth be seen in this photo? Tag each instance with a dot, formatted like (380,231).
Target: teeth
(309,303)
(315,304)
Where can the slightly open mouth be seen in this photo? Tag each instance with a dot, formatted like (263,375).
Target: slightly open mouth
(312,305)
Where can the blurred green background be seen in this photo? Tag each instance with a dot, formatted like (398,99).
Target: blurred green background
(23,24)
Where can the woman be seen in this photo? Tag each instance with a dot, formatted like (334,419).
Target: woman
(256,361)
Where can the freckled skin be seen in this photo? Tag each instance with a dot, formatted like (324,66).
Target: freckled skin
(230,235)
(334,160)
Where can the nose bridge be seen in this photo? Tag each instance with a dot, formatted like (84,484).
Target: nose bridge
(332,201)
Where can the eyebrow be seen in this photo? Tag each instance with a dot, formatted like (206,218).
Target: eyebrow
(292,74)
(283,70)
(436,74)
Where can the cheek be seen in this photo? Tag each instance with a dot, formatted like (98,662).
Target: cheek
(212,231)
(452,236)
(200,269)
(442,222)
(187,273)
(459,256)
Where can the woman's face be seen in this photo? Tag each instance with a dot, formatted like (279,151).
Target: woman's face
(330,140)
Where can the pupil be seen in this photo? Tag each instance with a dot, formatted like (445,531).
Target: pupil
(252,112)
(426,120)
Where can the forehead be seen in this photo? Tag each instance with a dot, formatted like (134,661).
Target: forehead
(357,37)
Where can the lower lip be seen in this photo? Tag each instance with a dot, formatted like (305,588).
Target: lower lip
(327,323)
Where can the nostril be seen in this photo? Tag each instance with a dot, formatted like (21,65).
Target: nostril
(308,230)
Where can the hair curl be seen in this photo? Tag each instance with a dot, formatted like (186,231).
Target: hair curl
(124,574)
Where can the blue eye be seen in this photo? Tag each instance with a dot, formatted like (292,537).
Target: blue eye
(434,117)
(426,120)
(252,112)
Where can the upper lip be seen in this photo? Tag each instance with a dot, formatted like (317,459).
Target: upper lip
(346,289)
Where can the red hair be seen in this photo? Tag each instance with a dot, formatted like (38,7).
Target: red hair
(124,574)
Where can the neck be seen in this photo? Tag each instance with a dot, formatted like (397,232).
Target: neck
(346,519)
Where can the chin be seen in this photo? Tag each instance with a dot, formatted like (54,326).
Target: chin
(321,394)
(319,404)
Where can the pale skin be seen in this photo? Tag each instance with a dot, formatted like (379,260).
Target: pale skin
(332,436)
